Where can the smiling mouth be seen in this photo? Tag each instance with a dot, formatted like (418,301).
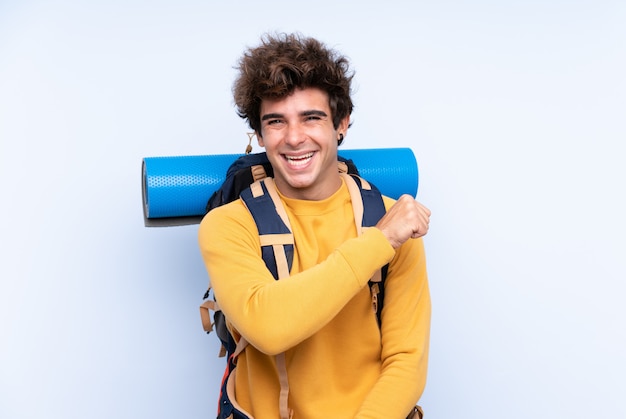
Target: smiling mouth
(299,160)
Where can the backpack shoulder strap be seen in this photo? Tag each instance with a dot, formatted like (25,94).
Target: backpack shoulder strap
(369,208)
(277,246)
(270,216)
(367,202)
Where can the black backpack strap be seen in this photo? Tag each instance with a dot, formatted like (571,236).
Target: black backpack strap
(277,242)
(368,210)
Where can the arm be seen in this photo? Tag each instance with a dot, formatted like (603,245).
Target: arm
(405,336)
(276,315)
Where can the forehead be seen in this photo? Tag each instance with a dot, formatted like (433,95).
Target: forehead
(310,98)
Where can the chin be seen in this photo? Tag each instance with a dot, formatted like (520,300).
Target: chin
(302,185)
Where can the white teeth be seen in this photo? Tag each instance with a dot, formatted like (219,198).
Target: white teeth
(299,160)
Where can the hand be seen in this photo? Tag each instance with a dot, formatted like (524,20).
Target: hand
(406,219)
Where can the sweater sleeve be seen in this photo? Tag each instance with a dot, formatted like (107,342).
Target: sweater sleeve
(405,336)
(275,315)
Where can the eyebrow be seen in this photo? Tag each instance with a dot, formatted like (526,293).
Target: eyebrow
(312,112)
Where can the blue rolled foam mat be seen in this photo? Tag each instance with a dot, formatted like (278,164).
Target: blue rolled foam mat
(176,188)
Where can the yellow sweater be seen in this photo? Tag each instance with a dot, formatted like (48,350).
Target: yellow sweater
(339,363)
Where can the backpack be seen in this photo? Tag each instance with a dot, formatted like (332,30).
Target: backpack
(249,178)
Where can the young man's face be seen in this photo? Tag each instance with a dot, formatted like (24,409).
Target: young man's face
(301,143)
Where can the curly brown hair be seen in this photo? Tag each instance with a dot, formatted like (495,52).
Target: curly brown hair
(285,62)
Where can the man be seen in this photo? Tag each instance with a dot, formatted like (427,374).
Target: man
(317,325)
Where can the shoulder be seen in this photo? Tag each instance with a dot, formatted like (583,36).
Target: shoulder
(232,218)
(232,209)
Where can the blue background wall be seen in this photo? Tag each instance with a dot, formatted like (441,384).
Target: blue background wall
(516,113)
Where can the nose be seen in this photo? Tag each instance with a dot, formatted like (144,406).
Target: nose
(295,135)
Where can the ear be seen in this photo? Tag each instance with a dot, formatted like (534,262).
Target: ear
(259,139)
(344,125)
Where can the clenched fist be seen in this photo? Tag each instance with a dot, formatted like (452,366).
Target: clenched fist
(406,219)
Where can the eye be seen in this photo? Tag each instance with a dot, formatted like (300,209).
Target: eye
(274,121)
